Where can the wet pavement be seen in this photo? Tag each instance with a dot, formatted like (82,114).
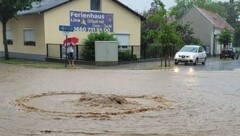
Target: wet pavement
(212,64)
(204,99)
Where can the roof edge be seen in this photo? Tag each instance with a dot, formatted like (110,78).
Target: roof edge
(203,14)
(116,1)
(210,19)
(57,6)
(129,9)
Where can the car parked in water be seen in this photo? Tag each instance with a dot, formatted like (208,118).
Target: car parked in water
(228,53)
(193,54)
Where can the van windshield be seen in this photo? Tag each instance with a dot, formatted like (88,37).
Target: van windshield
(189,49)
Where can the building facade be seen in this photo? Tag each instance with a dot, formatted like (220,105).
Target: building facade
(206,26)
(29,34)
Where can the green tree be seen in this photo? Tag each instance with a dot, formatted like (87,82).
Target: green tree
(236,37)
(232,12)
(89,44)
(8,10)
(162,32)
(225,37)
(146,25)
(160,29)
(149,25)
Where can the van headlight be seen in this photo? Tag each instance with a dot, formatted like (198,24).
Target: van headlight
(192,56)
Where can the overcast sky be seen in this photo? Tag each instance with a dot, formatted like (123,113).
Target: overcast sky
(141,5)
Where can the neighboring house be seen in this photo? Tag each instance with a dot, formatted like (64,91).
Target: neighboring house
(206,26)
(32,30)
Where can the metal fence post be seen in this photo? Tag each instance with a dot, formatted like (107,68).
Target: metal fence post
(155,51)
(61,56)
(47,51)
(131,52)
(76,52)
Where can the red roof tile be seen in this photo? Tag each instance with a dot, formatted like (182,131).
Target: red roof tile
(215,19)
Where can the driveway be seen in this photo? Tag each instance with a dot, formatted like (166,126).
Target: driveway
(201,100)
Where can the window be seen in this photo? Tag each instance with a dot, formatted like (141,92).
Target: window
(29,37)
(96,5)
(9,37)
(123,40)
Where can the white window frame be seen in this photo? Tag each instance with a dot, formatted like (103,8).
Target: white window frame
(9,35)
(29,36)
(124,44)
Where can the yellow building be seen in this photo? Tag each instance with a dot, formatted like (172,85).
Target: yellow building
(29,34)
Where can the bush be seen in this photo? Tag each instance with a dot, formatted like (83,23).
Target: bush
(126,56)
(89,44)
(153,52)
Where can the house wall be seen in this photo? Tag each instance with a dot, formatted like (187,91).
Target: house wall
(124,21)
(18,49)
(46,26)
(218,47)
(202,28)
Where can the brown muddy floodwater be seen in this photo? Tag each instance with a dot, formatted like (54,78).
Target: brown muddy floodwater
(76,102)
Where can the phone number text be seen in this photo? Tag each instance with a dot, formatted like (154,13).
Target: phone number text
(87,29)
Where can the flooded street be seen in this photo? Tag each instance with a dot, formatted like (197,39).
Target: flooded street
(201,101)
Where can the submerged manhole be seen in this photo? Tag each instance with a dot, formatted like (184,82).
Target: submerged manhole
(89,104)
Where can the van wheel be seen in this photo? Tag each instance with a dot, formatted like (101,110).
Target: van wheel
(176,63)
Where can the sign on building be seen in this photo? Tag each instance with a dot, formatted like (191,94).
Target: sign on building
(91,21)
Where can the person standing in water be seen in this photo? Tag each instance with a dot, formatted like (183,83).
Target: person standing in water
(70,52)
